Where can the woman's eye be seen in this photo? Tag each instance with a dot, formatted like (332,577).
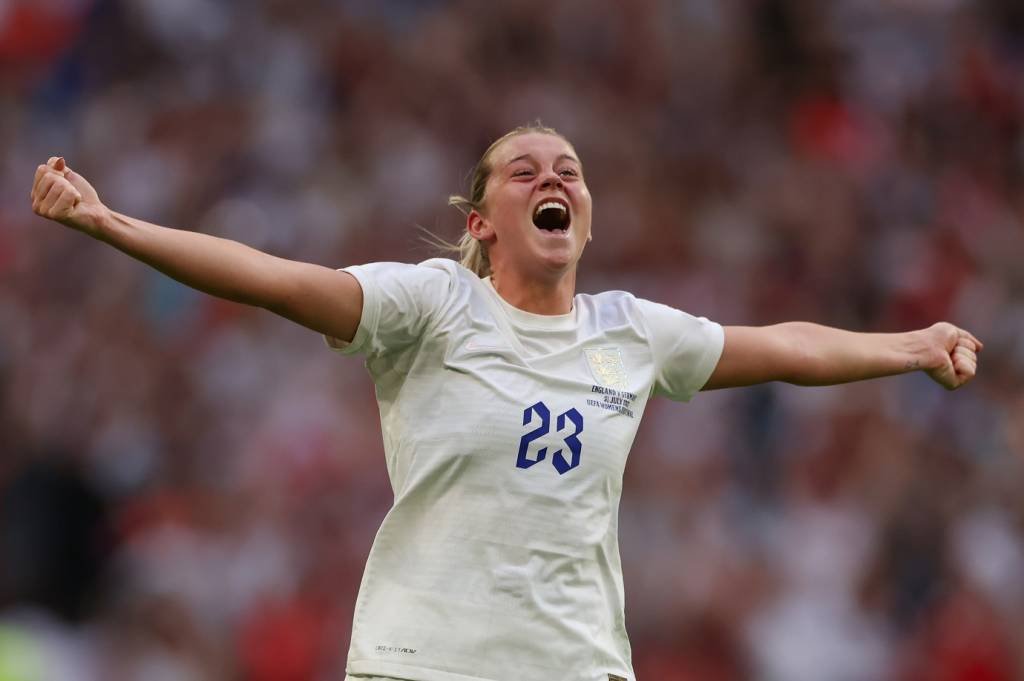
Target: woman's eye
(521,173)
(568,171)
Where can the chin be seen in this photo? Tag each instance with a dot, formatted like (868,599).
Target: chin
(558,263)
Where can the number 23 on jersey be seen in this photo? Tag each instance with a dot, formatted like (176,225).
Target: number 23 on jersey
(568,425)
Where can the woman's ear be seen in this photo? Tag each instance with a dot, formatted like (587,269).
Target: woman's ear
(478,227)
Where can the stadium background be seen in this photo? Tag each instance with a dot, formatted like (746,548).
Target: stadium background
(188,488)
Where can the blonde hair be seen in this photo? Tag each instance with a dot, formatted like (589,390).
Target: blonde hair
(472,253)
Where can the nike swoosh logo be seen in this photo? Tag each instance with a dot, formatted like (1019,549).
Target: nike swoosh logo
(476,346)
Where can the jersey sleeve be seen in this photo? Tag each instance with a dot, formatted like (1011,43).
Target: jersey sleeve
(686,349)
(399,303)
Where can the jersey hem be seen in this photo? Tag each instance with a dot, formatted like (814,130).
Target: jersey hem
(709,361)
(404,671)
(367,319)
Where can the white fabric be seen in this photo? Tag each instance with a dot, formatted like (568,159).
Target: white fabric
(492,564)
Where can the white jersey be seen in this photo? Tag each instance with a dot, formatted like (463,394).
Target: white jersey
(506,434)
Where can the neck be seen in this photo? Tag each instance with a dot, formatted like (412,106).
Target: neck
(549,297)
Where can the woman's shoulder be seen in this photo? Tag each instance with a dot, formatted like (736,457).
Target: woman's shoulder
(607,299)
(451,269)
(611,296)
(613,307)
(625,307)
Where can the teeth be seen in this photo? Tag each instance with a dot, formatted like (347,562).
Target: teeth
(549,204)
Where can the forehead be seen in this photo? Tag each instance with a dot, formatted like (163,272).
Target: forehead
(542,146)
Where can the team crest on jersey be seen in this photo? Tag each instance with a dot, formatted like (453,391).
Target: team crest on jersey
(606,366)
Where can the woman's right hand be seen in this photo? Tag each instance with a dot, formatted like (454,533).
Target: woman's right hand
(319,298)
(61,194)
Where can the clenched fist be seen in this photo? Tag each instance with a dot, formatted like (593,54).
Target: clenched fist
(955,355)
(61,194)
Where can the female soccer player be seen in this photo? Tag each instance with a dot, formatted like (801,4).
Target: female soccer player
(508,405)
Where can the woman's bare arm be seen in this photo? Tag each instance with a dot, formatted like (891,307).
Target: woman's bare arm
(811,354)
(319,298)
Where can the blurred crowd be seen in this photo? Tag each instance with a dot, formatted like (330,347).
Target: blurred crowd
(189,488)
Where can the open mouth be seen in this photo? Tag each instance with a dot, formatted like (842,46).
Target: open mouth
(552,215)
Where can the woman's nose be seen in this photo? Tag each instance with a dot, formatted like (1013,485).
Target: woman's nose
(550,180)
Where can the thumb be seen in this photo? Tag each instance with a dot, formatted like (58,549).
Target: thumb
(945,375)
(78,182)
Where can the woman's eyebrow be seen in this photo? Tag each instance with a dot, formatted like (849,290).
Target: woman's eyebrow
(523,157)
(529,157)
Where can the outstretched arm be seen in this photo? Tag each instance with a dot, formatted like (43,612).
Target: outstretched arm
(810,354)
(316,297)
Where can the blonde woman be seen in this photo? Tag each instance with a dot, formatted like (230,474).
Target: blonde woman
(508,405)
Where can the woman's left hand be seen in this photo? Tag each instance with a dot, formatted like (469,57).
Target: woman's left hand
(952,355)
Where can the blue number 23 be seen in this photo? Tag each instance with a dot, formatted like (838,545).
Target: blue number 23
(572,440)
